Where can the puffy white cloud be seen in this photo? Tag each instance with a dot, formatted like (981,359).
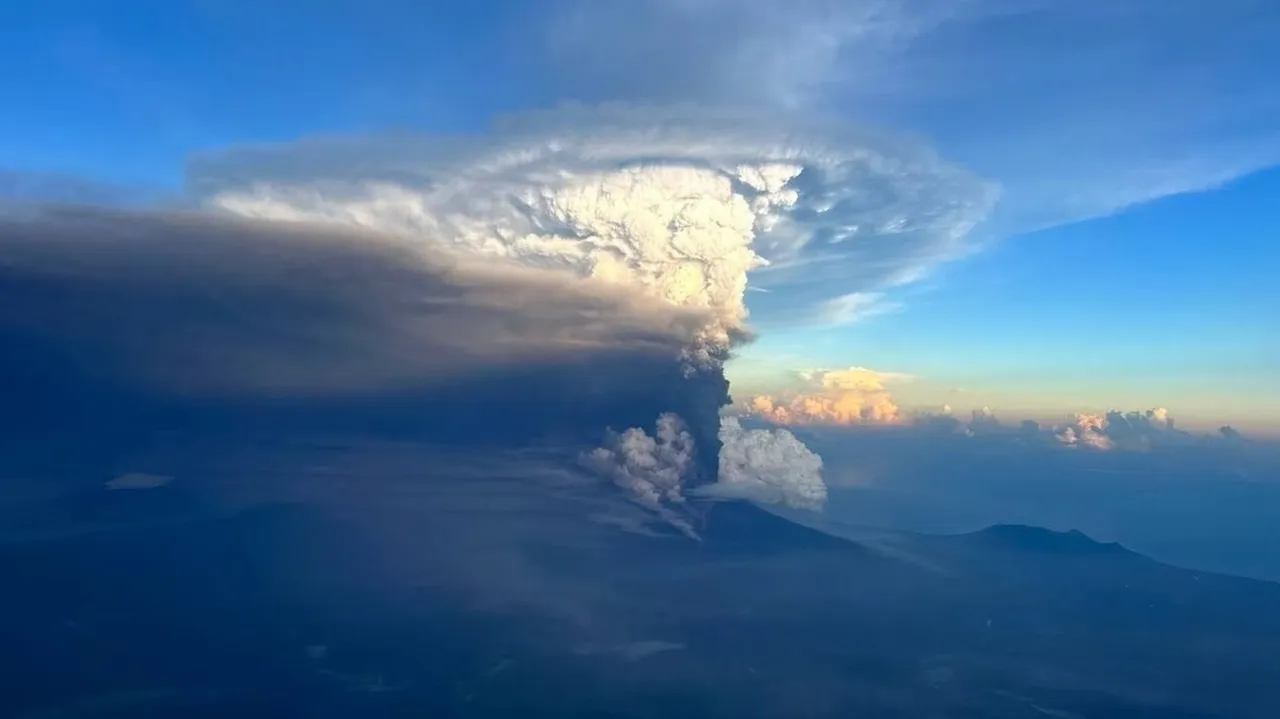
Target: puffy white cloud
(983,419)
(1139,430)
(1086,430)
(855,395)
(770,466)
(1113,430)
(678,202)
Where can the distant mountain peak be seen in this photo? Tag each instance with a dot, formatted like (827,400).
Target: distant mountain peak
(1038,539)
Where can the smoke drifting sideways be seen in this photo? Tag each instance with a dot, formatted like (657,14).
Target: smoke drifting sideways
(116,319)
(122,322)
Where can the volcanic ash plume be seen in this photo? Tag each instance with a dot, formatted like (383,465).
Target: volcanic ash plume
(677,232)
(680,204)
(674,203)
(650,469)
(769,466)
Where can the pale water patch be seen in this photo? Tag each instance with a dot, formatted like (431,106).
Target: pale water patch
(138,480)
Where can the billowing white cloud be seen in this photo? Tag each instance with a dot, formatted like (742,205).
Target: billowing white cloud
(1114,430)
(1086,430)
(1121,430)
(855,395)
(1102,432)
(770,466)
(680,203)
(1139,430)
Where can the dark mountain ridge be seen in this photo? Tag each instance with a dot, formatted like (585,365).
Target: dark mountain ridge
(1021,537)
(403,608)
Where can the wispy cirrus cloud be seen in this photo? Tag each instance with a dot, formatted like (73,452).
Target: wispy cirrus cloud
(1078,109)
(854,307)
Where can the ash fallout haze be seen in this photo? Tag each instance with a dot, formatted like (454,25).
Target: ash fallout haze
(641,358)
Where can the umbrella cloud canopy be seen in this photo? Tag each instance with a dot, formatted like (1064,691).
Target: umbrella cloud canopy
(684,203)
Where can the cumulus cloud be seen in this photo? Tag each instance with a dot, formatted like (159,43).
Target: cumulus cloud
(678,202)
(1102,432)
(1114,430)
(1121,430)
(1086,430)
(855,395)
(1139,430)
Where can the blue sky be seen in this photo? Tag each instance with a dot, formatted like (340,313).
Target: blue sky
(1129,262)
(1171,303)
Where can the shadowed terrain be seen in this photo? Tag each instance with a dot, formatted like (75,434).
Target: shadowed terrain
(390,581)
